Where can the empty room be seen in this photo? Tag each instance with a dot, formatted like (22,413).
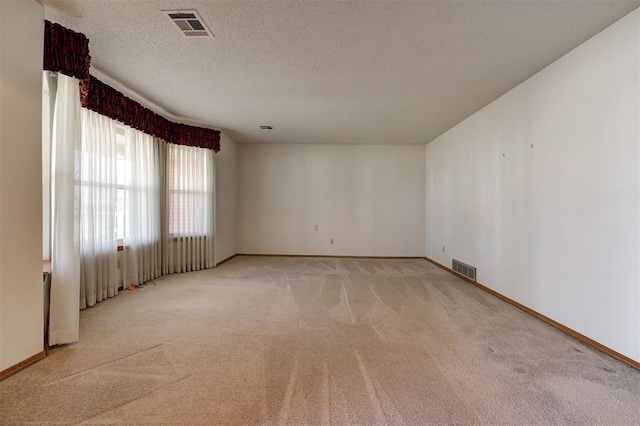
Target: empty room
(320,212)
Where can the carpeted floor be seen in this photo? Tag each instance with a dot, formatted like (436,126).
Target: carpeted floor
(264,340)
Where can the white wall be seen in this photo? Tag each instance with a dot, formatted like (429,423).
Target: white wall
(554,227)
(226,190)
(368,198)
(21,309)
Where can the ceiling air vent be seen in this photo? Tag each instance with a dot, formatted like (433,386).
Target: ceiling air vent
(265,127)
(189,23)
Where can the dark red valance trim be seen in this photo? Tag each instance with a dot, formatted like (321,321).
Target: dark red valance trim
(66,51)
(107,101)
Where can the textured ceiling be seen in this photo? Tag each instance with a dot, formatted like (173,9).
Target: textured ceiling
(332,71)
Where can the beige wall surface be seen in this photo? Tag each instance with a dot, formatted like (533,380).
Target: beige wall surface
(226,188)
(368,198)
(21,296)
(540,191)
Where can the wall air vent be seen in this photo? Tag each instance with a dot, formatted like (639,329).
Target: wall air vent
(189,23)
(464,269)
(265,127)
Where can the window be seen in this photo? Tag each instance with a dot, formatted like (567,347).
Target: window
(97,181)
(110,187)
(121,191)
(103,187)
(190,188)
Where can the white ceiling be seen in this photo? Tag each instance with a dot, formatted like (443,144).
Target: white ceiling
(332,71)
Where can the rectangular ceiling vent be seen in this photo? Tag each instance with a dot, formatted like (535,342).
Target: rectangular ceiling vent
(464,269)
(265,127)
(189,23)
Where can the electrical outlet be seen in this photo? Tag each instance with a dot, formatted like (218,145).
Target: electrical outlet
(331,241)
(315,227)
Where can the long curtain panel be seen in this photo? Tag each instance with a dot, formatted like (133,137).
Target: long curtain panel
(167,194)
(65,209)
(189,202)
(143,215)
(98,176)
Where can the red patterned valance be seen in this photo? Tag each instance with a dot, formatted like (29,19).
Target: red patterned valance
(66,51)
(196,136)
(107,101)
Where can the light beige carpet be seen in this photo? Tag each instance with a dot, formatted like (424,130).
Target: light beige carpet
(319,341)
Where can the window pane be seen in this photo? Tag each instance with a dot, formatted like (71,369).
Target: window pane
(120,234)
(121,161)
(189,197)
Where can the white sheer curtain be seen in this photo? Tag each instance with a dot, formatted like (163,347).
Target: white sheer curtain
(143,249)
(159,197)
(189,199)
(65,209)
(98,243)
